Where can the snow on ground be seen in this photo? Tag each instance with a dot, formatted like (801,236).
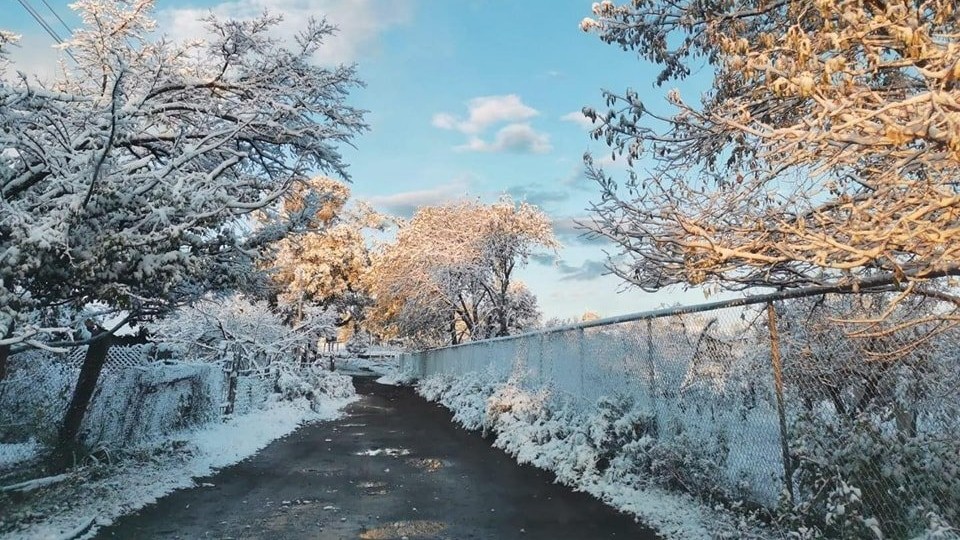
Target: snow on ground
(377,365)
(104,493)
(16,453)
(542,432)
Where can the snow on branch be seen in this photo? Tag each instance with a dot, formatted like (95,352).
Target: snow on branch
(129,179)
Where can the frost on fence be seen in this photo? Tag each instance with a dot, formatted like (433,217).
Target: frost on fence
(874,436)
(705,378)
(871,440)
(131,404)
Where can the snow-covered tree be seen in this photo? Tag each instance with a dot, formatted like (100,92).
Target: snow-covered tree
(125,180)
(325,266)
(450,272)
(826,151)
(249,330)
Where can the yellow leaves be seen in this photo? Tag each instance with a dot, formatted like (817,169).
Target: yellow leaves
(896,135)
(834,65)
(783,87)
(766,40)
(806,84)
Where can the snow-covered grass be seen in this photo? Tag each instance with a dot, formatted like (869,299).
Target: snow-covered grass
(608,450)
(104,492)
(12,454)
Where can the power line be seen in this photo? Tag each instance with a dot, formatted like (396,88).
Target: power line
(57,15)
(43,24)
(39,18)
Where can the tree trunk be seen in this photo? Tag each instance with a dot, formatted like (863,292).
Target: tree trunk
(5,352)
(502,313)
(93,362)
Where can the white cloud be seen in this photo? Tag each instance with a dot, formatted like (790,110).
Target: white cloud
(444,121)
(486,111)
(515,138)
(578,118)
(359,22)
(404,204)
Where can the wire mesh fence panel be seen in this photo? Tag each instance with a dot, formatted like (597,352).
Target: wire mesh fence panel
(253,391)
(859,432)
(34,396)
(874,420)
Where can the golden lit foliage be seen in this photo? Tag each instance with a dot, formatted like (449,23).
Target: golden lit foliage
(450,269)
(326,264)
(827,150)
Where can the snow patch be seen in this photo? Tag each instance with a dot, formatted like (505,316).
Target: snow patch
(391,452)
(12,454)
(135,484)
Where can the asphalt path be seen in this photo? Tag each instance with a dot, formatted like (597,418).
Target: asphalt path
(394,467)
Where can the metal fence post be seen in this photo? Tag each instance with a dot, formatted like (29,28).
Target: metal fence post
(651,373)
(778,386)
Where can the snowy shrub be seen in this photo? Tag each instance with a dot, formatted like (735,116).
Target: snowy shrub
(466,396)
(249,331)
(855,477)
(312,384)
(433,388)
(687,463)
(511,405)
(358,343)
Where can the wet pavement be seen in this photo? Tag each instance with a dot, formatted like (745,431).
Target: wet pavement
(394,467)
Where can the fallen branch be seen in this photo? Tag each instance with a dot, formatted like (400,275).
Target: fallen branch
(30,485)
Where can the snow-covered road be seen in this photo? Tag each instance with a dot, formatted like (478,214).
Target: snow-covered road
(394,467)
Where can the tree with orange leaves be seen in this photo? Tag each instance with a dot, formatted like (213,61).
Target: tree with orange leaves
(826,152)
(449,276)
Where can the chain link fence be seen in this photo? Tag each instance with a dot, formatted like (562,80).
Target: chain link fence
(140,395)
(763,403)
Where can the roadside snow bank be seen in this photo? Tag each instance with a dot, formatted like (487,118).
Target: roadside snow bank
(608,450)
(105,492)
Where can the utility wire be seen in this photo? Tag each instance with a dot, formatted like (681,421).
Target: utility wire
(57,15)
(40,20)
(43,24)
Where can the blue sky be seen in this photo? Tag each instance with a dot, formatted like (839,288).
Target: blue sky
(469,98)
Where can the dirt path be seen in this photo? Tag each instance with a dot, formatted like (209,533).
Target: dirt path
(394,467)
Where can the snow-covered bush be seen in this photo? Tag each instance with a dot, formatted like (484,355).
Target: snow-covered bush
(249,331)
(855,477)
(358,343)
(312,384)
(465,396)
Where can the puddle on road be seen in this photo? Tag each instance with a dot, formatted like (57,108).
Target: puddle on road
(427,464)
(373,488)
(404,529)
(391,452)
(372,485)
